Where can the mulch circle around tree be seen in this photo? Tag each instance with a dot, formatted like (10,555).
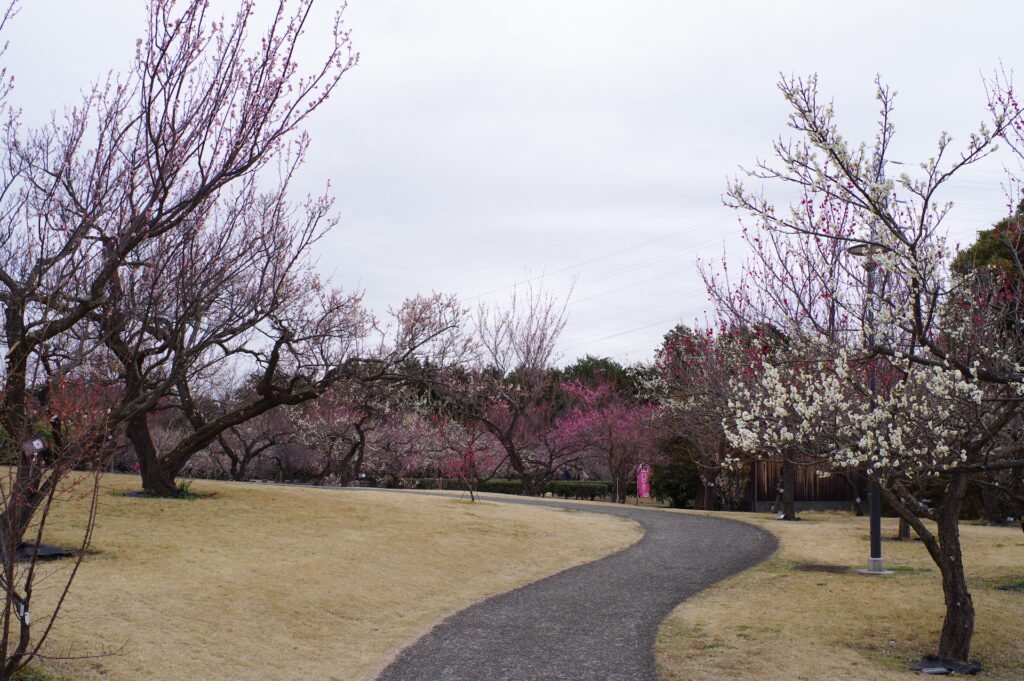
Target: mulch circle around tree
(936,666)
(812,567)
(42,552)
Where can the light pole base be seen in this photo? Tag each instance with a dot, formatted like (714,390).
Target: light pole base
(876,566)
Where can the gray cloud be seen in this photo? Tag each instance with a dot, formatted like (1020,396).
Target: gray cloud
(479,143)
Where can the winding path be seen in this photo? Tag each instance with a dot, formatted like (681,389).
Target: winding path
(595,622)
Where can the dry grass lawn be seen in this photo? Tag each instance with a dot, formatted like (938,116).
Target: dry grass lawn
(776,623)
(262,582)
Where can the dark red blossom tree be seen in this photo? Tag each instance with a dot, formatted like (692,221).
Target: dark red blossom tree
(620,433)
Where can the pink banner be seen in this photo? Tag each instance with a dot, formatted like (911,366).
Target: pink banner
(643,481)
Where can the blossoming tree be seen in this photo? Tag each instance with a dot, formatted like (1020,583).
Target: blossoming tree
(895,368)
(507,387)
(697,374)
(619,433)
(467,452)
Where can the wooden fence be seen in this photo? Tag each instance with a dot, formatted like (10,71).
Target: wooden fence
(767,478)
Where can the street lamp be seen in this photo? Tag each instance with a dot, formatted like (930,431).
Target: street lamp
(861,250)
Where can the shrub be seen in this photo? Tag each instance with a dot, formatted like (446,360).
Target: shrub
(495,486)
(676,482)
(502,486)
(579,489)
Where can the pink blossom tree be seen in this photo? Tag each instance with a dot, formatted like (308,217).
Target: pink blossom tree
(143,248)
(467,452)
(359,426)
(218,261)
(620,433)
(57,460)
(404,445)
(506,389)
(240,448)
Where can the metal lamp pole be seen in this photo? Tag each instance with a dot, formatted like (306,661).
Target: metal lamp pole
(876,565)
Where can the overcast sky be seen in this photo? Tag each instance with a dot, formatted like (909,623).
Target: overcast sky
(481,143)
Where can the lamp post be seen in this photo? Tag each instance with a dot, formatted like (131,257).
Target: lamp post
(876,565)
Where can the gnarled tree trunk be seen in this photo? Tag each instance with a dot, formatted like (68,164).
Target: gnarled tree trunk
(958,625)
(533,482)
(156,480)
(944,549)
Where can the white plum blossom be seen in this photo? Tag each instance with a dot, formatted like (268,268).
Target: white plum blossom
(823,412)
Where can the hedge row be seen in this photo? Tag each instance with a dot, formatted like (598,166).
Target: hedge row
(586,489)
(499,486)
(566,489)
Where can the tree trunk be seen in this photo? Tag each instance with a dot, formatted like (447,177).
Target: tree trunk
(861,494)
(853,480)
(904,532)
(788,490)
(533,482)
(356,462)
(989,502)
(20,502)
(958,625)
(351,464)
(155,479)
(531,478)
(706,493)
(944,549)
(236,470)
(237,463)
(619,490)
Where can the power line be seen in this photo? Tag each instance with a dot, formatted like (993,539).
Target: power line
(604,256)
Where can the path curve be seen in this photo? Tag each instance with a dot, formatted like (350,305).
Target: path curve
(594,622)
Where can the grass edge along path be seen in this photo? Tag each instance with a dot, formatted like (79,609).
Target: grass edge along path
(774,622)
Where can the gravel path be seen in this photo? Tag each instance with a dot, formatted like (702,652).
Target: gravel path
(595,622)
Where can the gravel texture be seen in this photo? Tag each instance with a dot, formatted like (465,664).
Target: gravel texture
(595,622)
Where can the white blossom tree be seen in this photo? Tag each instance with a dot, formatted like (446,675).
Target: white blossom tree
(895,367)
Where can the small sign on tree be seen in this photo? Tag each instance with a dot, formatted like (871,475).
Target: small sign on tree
(35,446)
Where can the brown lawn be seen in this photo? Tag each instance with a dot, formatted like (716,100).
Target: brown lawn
(267,582)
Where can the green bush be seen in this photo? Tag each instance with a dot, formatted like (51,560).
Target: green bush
(676,482)
(565,489)
(579,489)
(497,486)
(502,486)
